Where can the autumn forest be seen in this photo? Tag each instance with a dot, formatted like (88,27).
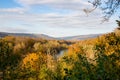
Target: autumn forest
(24,58)
(83,41)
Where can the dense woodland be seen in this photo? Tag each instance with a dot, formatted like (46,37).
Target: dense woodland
(23,58)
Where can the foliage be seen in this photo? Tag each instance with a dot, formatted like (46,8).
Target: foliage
(108,57)
(105,65)
(93,59)
(118,22)
(29,58)
(8,60)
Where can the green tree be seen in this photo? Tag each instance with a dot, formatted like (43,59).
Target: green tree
(8,60)
(108,57)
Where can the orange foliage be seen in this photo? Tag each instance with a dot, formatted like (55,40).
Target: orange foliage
(30,60)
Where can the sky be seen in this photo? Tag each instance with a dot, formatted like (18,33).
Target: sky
(56,18)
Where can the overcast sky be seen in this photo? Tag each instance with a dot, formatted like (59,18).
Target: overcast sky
(55,18)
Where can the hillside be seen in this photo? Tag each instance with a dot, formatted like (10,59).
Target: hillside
(3,34)
(79,37)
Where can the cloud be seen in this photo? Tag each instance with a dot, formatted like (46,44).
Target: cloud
(75,19)
(13,29)
(13,10)
(71,20)
(59,4)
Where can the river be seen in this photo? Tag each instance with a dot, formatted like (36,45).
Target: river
(61,53)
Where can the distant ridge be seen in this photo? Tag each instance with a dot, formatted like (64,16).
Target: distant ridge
(3,34)
(80,37)
(43,36)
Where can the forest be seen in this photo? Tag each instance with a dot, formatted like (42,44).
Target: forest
(24,58)
(27,58)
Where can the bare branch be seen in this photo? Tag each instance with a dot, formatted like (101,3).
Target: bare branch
(109,7)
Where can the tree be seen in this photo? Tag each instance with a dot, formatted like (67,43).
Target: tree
(118,22)
(109,7)
(108,57)
(8,60)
